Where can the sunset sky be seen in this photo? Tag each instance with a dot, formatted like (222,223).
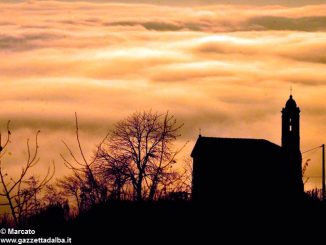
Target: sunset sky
(225,67)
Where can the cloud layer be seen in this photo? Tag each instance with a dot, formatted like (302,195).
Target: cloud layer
(226,69)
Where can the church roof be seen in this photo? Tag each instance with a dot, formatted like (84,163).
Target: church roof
(209,145)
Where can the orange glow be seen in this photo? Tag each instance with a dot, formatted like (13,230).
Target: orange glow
(226,69)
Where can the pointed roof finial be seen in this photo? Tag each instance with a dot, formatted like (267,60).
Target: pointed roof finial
(199,132)
(291,90)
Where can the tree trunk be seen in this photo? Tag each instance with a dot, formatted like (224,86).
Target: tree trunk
(153,189)
(139,193)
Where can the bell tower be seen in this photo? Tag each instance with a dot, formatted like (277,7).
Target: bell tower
(291,144)
(291,126)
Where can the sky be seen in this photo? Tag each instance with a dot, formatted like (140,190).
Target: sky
(224,67)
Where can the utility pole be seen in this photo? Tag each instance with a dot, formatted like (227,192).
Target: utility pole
(323,172)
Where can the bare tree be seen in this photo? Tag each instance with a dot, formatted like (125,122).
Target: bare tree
(20,194)
(177,184)
(304,169)
(140,151)
(72,187)
(53,196)
(85,187)
(185,182)
(113,174)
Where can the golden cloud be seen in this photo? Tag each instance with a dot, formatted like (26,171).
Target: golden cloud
(223,68)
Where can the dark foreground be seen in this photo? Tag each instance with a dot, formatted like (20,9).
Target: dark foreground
(170,222)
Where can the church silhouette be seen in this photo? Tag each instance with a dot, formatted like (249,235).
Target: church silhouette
(250,170)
